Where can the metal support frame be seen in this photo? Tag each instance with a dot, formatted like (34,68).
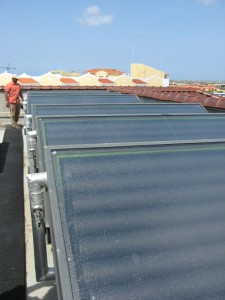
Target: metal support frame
(37,182)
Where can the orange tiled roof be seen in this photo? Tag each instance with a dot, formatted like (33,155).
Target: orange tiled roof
(27,81)
(138,81)
(105,80)
(68,80)
(109,71)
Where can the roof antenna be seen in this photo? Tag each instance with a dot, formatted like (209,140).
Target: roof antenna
(8,68)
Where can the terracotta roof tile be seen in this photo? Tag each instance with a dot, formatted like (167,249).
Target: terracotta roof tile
(28,81)
(105,80)
(109,71)
(68,80)
(138,81)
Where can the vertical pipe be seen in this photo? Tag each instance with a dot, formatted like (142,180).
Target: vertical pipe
(37,182)
(27,123)
(31,145)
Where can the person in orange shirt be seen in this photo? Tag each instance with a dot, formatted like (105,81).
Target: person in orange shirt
(13,94)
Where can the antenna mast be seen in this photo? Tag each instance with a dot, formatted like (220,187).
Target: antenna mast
(8,68)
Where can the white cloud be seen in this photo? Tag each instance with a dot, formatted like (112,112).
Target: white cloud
(92,16)
(206,2)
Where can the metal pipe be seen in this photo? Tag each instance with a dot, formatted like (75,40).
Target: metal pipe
(25,96)
(43,272)
(25,106)
(27,122)
(37,182)
(31,146)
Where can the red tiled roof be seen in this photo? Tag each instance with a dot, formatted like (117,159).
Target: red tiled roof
(105,80)
(109,71)
(27,81)
(68,80)
(138,81)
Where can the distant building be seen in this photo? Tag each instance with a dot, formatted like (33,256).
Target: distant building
(122,80)
(5,78)
(65,73)
(27,80)
(139,82)
(152,76)
(106,82)
(68,81)
(141,75)
(105,72)
(88,80)
(49,79)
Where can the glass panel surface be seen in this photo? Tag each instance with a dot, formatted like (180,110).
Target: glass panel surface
(41,110)
(81,99)
(68,92)
(143,222)
(88,130)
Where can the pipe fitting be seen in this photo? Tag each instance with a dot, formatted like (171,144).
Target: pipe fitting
(36,182)
(28,122)
(31,139)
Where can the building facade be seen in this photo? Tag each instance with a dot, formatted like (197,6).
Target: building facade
(151,76)
(141,75)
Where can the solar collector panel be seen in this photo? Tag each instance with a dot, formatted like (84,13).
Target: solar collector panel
(93,127)
(101,109)
(49,93)
(71,94)
(60,109)
(142,220)
(81,99)
(115,129)
(68,91)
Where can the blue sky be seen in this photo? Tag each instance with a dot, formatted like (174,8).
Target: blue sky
(185,38)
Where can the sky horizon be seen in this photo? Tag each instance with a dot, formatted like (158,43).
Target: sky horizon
(185,39)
